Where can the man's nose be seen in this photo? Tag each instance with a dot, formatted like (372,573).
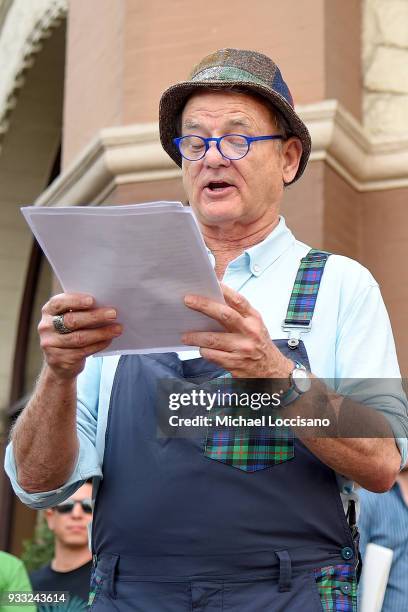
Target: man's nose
(77,511)
(213,157)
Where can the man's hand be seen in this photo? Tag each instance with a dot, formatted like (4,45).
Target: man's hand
(245,348)
(45,437)
(92,330)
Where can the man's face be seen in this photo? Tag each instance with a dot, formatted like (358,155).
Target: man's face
(249,189)
(71,528)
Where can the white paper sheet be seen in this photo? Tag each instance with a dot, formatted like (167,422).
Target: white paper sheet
(140,259)
(376,568)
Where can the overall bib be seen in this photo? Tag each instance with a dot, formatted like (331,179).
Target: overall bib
(181,525)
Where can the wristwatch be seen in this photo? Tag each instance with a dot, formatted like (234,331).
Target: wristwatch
(300,383)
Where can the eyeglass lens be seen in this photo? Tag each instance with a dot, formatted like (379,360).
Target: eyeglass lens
(232,146)
(68,506)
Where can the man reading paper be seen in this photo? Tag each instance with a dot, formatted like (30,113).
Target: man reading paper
(244,522)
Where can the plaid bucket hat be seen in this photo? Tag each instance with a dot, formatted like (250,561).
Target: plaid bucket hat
(226,69)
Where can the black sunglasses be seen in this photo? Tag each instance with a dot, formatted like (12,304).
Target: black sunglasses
(68,506)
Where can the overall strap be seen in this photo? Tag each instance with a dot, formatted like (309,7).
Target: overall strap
(302,301)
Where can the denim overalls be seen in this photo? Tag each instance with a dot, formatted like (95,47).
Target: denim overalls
(176,530)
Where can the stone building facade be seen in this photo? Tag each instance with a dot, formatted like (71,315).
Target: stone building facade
(79,96)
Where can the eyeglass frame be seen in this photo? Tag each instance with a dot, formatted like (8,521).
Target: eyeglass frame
(249,139)
(72,503)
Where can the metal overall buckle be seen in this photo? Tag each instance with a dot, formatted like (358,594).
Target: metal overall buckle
(294,331)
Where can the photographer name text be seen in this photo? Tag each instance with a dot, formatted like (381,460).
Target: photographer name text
(241,421)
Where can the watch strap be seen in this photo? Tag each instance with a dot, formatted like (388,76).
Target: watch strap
(292,393)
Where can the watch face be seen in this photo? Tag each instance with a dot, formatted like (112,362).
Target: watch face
(301,380)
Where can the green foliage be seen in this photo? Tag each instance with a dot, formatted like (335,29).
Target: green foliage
(39,550)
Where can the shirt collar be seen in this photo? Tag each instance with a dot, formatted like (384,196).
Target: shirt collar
(260,256)
(265,253)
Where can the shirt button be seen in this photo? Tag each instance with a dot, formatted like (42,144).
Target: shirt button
(345,588)
(347,553)
(257,268)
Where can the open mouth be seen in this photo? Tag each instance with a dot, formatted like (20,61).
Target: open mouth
(217,185)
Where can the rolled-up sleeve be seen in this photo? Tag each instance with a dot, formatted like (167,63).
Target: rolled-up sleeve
(88,464)
(372,376)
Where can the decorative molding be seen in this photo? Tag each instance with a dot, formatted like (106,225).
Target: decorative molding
(366,162)
(132,154)
(118,155)
(384,66)
(4,9)
(27,26)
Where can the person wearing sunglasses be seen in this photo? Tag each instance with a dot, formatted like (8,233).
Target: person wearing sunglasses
(70,568)
(244,521)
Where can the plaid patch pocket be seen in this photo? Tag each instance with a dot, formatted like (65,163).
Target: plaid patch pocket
(337,586)
(249,449)
(95,587)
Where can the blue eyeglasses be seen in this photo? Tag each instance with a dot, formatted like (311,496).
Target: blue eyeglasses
(231,146)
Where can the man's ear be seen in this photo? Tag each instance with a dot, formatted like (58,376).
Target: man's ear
(291,153)
(49,515)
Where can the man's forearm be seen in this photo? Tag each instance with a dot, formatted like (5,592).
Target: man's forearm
(361,443)
(372,462)
(44,438)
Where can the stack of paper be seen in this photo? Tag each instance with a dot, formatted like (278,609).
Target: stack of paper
(141,259)
(376,568)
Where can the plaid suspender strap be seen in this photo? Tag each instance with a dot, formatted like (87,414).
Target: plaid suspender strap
(251,449)
(302,301)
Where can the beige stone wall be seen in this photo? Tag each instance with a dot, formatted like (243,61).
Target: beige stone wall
(384,214)
(165,40)
(385,65)
(94,90)
(119,64)
(342,216)
(303,206)
(343,23)
(384,250)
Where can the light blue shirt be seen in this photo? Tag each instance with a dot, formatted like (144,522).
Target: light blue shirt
(384,521)
(350,338)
